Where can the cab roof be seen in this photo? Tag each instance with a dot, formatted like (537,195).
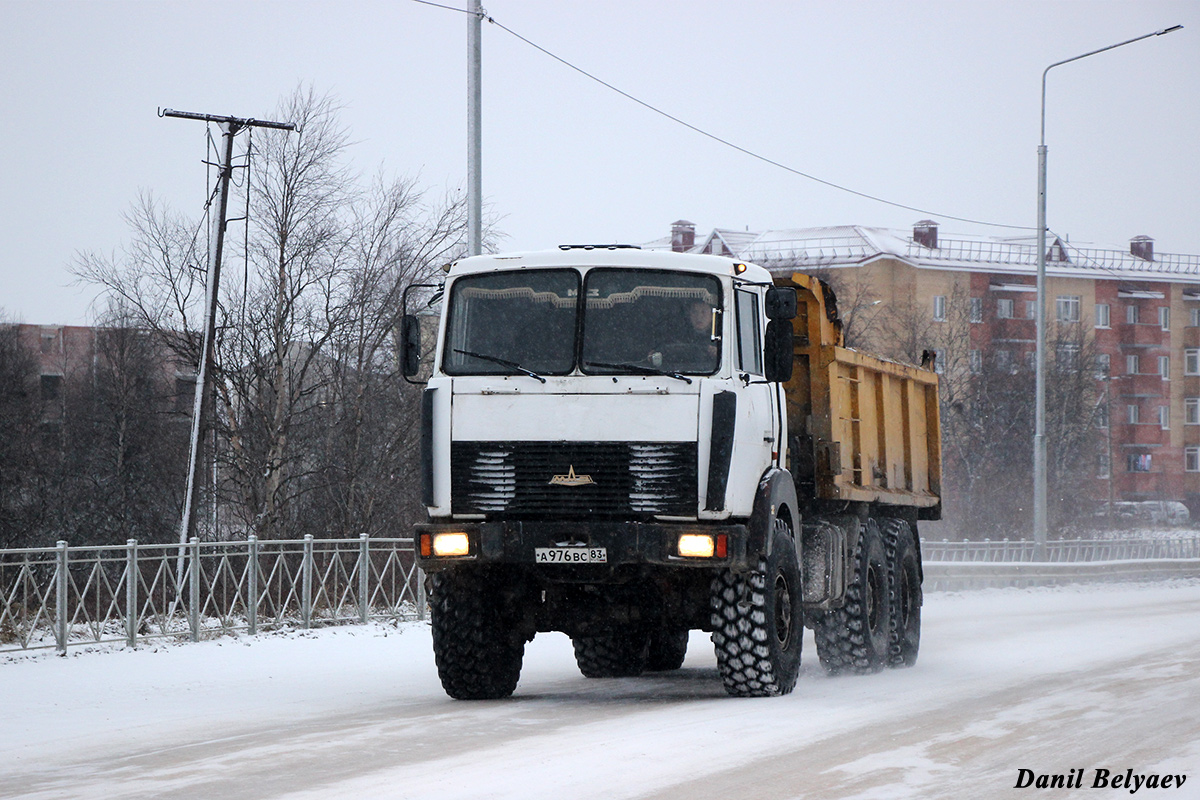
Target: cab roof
(611,256)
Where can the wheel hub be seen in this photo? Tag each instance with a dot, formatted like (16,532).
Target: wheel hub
(783,611)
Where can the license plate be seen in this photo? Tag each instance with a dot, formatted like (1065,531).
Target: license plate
(570,555)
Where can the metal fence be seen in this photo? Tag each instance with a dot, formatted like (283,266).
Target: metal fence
(58,597)
(64,596)
(1060,550)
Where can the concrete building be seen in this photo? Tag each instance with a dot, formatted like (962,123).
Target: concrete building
(1140,308)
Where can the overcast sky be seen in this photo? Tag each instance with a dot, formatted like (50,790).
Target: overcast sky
(930,104)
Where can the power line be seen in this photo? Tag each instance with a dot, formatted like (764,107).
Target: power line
(721,140)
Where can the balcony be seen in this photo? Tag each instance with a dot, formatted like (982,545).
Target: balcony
(1143,434)
(1139,334)
(1020,330)
(1139,385)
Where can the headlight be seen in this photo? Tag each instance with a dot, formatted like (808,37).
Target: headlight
(451,544)
(695,545)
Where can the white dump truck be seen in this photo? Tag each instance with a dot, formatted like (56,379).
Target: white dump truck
(629,445)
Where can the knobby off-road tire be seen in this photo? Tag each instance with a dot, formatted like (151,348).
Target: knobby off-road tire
(668,648)
(477,650)
(853,639)
(758,623)
(619,655)
(904,631)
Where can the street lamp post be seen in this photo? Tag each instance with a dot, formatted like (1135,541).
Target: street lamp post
(1039,434)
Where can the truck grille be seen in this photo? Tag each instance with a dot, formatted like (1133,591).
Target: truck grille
(530,479)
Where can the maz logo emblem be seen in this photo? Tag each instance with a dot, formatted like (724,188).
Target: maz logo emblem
(571,479)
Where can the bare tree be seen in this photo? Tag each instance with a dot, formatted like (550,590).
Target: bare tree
(859,306)
(20,507)
(314,429)
(123,441)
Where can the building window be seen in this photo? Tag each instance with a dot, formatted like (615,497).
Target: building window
(1031,360)
(1103,365)
(976,361)
(1101,315)
(51,387)
(1068,356)
(1164,417)
(939,308)
(976,309)
(1191,361)
(1164,318)
(1102,415)
(185,394)
(939,361)
(1195,317)
(1131,414)
(1131,365)
(1191,411)
(1066,308)
(1131,314)
(1135,462)
(1102,465)
(1030,309)
(1191,459)
(1004,360)
(1004,308)
(1164,367)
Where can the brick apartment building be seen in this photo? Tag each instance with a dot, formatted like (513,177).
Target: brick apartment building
(1141,308)
(66,353)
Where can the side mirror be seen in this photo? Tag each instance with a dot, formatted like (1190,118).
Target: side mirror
(781,302)
(778,350)
(410,345)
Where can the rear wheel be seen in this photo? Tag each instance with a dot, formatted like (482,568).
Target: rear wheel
(758,623)
(853,639)
(478,652)
(618,655)
(667,650)
(905,562)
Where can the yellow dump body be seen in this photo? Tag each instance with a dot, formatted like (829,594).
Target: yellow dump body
(867,429)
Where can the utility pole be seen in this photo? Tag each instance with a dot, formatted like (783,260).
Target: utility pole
(1040,499)
(474,131)
(230,127)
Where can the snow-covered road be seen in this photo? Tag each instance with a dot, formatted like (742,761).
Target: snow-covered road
(1046,680)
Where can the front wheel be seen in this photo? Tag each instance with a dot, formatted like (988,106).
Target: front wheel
(478,652)
(758,622)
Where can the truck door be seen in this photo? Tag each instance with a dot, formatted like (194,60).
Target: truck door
(756,432)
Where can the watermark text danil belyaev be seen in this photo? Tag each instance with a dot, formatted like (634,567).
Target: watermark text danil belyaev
(1098,778)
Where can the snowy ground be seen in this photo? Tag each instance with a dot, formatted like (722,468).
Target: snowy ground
(1049,680)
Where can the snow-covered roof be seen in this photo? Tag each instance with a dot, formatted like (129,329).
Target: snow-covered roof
(854,245)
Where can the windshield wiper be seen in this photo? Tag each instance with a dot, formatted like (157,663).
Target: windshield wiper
(639,369)
(502,362)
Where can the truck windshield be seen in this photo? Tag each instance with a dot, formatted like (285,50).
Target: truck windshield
(506,323)
(638,321)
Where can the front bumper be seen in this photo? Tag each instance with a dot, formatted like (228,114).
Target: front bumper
(625,543)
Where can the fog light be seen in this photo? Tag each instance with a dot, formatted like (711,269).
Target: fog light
(695,545)
(451,544)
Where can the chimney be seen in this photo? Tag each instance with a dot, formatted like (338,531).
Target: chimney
(683,236)
(1142,247)
(925,233)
